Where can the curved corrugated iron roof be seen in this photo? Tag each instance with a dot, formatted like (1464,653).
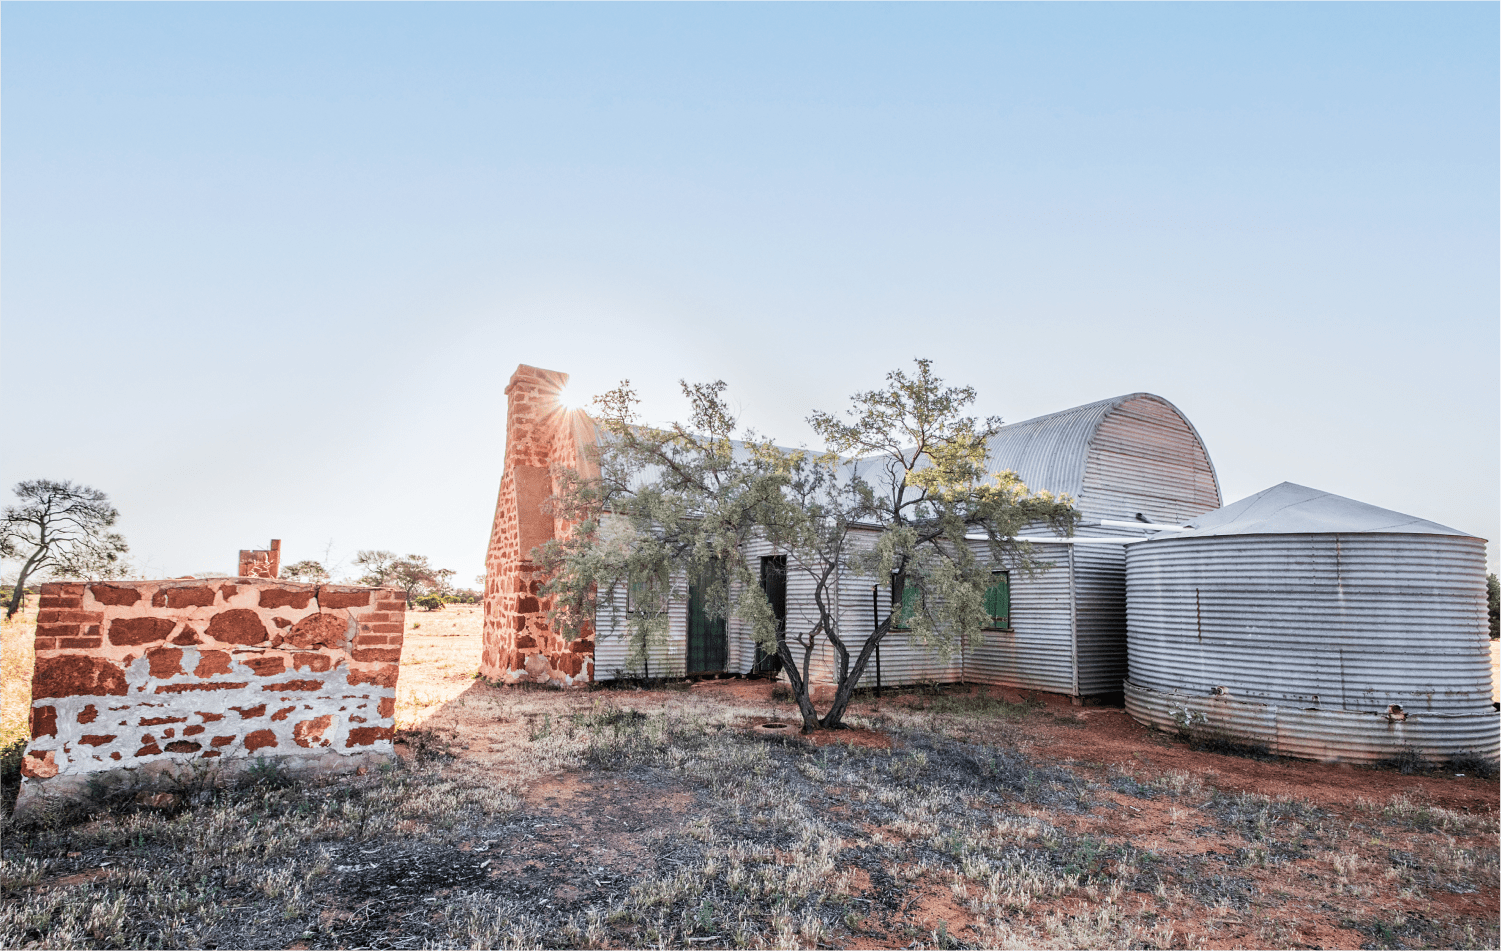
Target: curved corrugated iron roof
(1291,509)
(1051,452)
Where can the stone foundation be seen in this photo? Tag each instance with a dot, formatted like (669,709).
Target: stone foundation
(153,676)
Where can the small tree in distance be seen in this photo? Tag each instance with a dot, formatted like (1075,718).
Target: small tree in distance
(310,572)
(62,530)
(412,573)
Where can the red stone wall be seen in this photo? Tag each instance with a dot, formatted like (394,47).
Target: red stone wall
(256,563)
(157,674)
(541,435)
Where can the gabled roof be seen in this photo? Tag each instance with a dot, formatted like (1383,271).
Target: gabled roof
(1291,509)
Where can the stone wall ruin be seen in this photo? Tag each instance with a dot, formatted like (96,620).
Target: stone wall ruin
(159,675)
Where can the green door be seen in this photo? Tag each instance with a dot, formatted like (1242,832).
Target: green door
(708,642)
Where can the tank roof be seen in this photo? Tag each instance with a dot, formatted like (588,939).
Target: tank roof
(1292,509)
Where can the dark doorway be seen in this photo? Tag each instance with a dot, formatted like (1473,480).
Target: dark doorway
(774,583)
(708,645)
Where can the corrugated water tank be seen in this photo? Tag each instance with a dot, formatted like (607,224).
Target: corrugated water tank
(1316,626)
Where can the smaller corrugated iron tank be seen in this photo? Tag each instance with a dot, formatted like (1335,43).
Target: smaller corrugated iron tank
(1316,626)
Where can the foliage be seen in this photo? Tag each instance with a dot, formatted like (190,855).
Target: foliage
(1493,603)
(306,571)
(634,539)
(412,573)
(60,529)
(919,474)
(683,502)
(430,602)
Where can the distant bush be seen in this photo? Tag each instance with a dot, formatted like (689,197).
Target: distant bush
(1493,602)
(430,602)
(308,571)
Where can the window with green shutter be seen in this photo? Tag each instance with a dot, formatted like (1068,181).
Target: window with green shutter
(998,599)
(911,598)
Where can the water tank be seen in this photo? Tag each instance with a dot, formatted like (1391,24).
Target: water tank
(1315,626)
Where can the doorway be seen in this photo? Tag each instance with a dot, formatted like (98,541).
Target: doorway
(774,583)
(708,643)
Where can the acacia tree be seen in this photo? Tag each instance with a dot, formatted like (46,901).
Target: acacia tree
(683,502)
(919,476)
(60,529)
(413,574)
(306,571)
(669,503)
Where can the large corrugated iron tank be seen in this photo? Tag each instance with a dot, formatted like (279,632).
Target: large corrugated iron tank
(1314,625)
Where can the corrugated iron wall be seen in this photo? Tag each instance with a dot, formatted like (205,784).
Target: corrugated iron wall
(1037,653)
(1313,623)
(611,643)
(1100,618)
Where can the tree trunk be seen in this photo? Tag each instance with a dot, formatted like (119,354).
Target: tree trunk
(20,591)
(799,684)
(835,717)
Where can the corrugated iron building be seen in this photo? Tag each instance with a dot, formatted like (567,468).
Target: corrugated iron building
(1315,625)
(1127,462)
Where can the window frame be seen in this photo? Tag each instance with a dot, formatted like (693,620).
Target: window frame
(910,596)
(991,624)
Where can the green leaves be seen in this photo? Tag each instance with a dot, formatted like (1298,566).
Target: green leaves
(903,497)
(61,529)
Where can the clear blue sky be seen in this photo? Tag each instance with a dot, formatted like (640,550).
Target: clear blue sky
(267,268)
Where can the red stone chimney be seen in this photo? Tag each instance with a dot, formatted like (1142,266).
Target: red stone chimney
(541,434)
(261,563)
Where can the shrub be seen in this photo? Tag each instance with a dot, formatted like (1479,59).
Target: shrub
(429,602)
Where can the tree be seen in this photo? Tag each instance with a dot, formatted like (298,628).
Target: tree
(919,473)
(1493,603)
(668,503)
(379,565)
(686,499)
(307,571)
(412,573)
(60,529)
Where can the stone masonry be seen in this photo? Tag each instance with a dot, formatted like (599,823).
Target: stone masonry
(541,436)
(256,563)
(161,675)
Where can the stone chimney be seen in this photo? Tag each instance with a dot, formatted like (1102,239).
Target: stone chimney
(541,435)
(261,563)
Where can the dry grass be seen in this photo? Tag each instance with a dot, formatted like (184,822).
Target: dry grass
(439,660)
(17,658)
(523,817)
(17,661)
(621,818)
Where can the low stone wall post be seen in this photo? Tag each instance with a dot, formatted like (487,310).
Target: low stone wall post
(145,676)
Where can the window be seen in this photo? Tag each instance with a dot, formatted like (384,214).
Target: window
(998,600)
(634,590)
(911,599)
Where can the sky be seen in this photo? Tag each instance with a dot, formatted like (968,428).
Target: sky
(267,268)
